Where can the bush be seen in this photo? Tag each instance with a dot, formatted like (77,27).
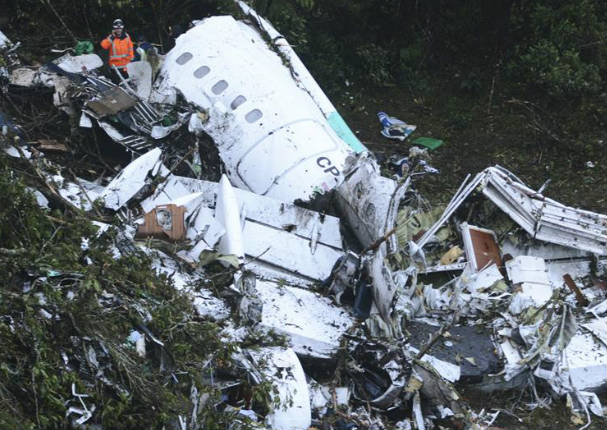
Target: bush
(561,74)
(561,47)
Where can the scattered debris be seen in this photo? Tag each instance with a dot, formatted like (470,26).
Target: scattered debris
(329,271)
(394,128)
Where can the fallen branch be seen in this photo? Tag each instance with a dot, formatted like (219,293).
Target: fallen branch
(50,6)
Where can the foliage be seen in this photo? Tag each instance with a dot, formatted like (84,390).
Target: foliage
(564,49)
(66,312)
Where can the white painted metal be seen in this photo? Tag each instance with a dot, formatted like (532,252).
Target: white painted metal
(79,63)
(304,78)
(313,324)
(140,75)
(544,218)
(74,192)
(282,367)
(283,249)
(370,202)
(281,241)
(271,135)
(227,213)
(132,179)
(4,41)
(586,362)
(261,209)
(532,276)
(527,269)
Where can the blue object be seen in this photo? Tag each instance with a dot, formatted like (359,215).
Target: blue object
(363,300)
(384,119)
(394,128)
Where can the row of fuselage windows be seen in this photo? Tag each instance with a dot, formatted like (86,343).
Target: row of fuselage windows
(219,87)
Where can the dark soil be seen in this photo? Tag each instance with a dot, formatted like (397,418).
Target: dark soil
(535,144)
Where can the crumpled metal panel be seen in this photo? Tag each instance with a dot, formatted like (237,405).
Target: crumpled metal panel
(543,218)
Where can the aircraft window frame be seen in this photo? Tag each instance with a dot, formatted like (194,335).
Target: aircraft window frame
(253,115)
(201,72)
(184,58)
(238,101)
(219,87)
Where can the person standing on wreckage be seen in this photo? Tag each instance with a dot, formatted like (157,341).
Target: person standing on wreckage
(120,47)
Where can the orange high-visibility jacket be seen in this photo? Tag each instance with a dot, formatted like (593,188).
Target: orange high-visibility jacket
(121,50)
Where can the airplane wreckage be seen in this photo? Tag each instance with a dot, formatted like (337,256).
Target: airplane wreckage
(504,288)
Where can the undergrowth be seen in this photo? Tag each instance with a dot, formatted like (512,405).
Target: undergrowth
(66,313)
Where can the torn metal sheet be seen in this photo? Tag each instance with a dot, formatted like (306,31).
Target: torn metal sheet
(543,218)
(40,198)
(305,80)
(85,121)
(134,143)
(598,327)
(311,321)
(285,250)
(140,75)
(583,366)
(132,179)
(82,193)
(111,101)
(25,77)
(370,202)
(255,118)
(280,240)
(531,276)
(480,281)
(4,41)
(79,63)
(384,287)
(282,368)
(204,301)
(449,371)
(436,389)
(202,229)
(324,229)
(227,213)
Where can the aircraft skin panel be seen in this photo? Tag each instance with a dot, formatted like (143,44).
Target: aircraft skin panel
(306,80)
(263,123)
(306,144)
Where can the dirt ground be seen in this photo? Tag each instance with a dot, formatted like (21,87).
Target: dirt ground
(512,133)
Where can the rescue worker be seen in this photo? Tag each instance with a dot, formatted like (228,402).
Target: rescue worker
(143,47)
(145,51)
(120,47)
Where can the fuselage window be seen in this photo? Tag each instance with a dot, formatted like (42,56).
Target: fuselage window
(219,87)
(237,102)
(201,72)
(184,58)
(253,115)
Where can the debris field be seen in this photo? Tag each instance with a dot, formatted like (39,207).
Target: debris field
(322,292)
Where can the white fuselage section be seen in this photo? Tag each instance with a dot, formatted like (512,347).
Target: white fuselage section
(272,137)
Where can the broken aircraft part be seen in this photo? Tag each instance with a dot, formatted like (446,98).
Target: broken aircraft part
(256,118)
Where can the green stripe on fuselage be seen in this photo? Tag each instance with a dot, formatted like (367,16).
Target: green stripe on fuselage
(340,127)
